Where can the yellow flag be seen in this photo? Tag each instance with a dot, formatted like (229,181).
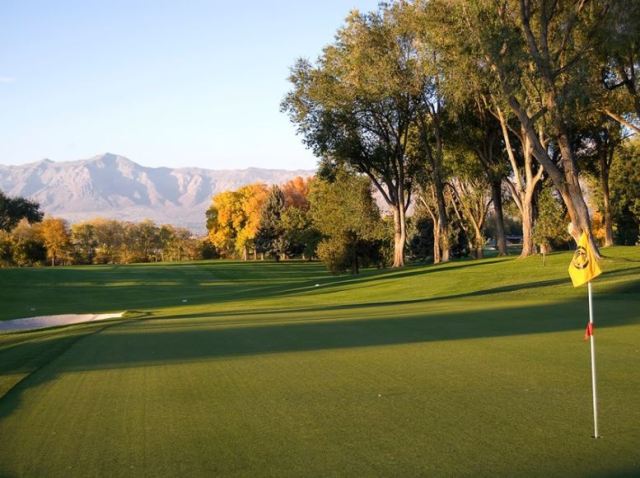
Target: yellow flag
(584,266)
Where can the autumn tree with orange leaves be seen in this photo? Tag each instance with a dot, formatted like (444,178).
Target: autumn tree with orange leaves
(234,218)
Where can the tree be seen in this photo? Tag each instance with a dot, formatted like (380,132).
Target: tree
(421,234)
(618,52)
(549,231)
(625,193)
(234,217)
(479,133)
(176,243)
(524,178)
(84,242)
(252,199)
(300,237)
(348,219)
(13,210)
(141,242)
(482,124)
(600,140)
(536,52)
(56,238)
(221,221)
(356,106)
(110,236)
(270,236)
(28,249)
(6,249)
(471,198)
(296,192)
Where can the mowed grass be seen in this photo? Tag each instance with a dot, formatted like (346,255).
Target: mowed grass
(473,368)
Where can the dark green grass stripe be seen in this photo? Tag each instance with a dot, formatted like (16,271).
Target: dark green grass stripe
(23,354)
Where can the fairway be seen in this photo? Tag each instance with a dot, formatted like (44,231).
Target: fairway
(473,368)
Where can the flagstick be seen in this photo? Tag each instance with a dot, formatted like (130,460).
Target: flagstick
(593,368)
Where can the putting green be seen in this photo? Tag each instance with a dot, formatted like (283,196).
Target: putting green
(468,368)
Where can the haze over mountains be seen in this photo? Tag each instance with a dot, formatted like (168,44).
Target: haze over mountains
(113,186)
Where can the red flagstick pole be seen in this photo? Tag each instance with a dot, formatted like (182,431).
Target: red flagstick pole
(593,366)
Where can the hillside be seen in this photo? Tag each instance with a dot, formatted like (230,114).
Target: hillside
(113,186)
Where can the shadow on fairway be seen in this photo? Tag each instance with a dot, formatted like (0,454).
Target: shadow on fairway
(91,289)
(632,287)
(151,342)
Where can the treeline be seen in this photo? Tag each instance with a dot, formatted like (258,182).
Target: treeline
(476,110)
(335,220)
(99,241)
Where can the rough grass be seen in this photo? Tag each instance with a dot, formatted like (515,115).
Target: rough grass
(469,368)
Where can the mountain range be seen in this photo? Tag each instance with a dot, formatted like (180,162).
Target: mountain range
(113,186)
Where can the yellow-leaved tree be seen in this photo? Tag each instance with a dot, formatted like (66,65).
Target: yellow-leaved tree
(55,235)
(234,217)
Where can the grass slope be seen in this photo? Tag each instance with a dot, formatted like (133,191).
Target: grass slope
(468,368)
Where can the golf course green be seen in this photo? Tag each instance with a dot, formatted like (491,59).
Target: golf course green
(221,368)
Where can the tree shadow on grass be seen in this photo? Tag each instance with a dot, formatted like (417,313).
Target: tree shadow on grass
(93,289)
(631,287)
(142,343)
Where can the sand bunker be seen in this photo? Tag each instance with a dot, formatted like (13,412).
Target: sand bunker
(45,321)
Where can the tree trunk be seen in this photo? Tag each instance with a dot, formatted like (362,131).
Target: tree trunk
(604,183)
(399,237)
(496,196)
(443,222)
(436,241)
(579,212)
(478,240)
(528,245)
(354,259)
(245,253)
(566,180)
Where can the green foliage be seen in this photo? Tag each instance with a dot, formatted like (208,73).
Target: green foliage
(27,248)
(13,210)
(270,238)
(345,214)
(356,106)
(84,243)
(300,237)
(6,249)
(550,231)
(421,236)
(335,253)
(625,193)
(99,241)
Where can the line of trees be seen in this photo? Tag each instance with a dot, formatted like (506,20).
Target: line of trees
(33,241)
(471,105)
(334,219)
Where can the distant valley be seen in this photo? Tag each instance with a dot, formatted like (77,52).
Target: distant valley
(113,186)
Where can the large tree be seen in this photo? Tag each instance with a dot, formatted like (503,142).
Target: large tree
(618,58)
(56,237)
(270,236)
(347,217)
(537,51)
(357,104)
(234,218)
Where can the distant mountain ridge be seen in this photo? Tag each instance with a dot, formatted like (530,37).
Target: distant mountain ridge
(113,186)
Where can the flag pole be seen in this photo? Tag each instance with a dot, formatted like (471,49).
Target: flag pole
(593,366)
